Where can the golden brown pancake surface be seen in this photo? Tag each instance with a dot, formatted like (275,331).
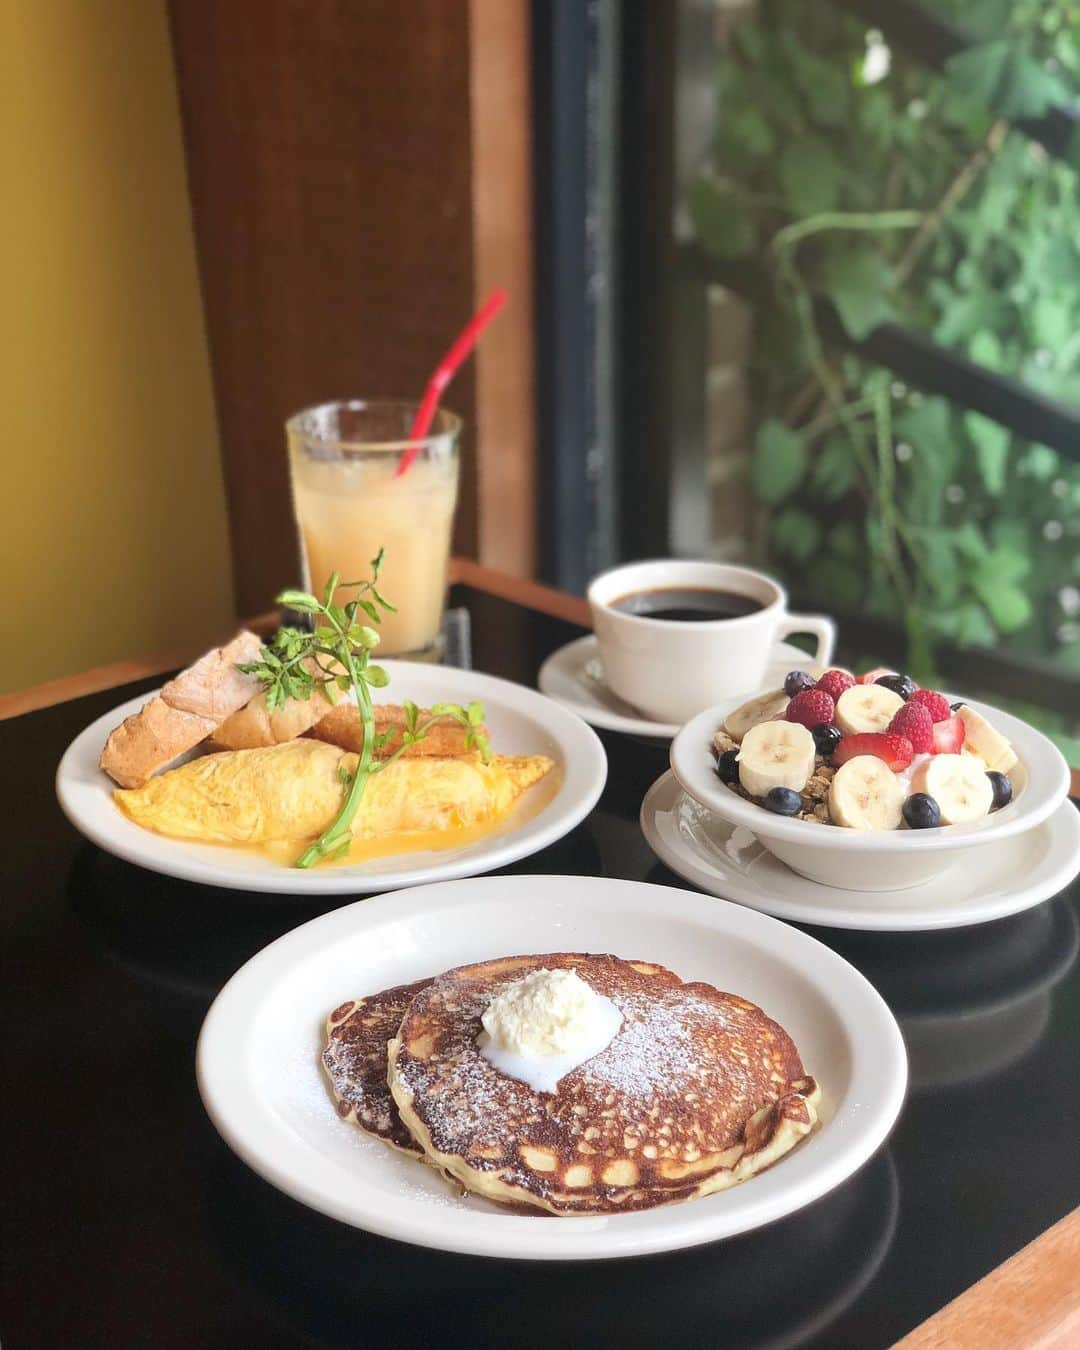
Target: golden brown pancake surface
(698,1090)
(355,1062)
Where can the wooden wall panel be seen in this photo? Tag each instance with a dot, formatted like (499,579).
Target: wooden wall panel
(329,160)
(502,207)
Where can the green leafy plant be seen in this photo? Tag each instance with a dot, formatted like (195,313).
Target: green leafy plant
(901,194)
(335,658)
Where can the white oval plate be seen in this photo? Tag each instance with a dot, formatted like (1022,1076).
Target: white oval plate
(574,677)
(261,1081)
(521,722)
(999,878)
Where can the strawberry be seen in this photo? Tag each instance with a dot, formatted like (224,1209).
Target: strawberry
(872,676)
(834,682)
(936,704)
(896,751)
(811,708)
(914,721)
(948,736)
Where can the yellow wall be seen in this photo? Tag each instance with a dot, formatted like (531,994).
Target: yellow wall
(113,538)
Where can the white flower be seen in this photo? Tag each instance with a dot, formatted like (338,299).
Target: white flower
(877,60)
(1069,600)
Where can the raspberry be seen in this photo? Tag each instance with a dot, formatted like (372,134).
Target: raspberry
(936,704)
(834,682)
(895,750)
(914,721)
(811,708)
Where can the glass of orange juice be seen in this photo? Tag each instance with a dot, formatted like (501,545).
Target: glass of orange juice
(350,501)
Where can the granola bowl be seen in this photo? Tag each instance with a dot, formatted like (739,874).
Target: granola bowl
(873,860)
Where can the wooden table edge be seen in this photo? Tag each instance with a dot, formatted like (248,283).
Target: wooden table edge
(1029,1302)
(532,594)
(1032,1300)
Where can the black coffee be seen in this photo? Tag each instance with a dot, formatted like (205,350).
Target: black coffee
(687,604)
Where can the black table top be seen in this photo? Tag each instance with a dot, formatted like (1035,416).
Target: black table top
(129,1223)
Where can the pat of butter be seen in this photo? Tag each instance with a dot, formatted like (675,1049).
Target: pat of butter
(540,1027)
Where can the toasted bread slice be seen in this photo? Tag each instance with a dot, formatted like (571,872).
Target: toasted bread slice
(253,726)
(184,713)
(342,726)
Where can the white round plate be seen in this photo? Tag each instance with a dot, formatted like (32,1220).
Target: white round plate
(520,721)
(728,860)
(574,677)
(262,1084)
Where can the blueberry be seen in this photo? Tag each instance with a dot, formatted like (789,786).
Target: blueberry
(1002,789)
(784,801)
(955,707)
(727,767)
(921,811)
(903,685)
(796,681)
(826,738)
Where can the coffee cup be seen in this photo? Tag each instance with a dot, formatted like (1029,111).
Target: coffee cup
(672,668)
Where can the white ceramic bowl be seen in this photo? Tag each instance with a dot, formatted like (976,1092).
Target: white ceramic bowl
(887,860)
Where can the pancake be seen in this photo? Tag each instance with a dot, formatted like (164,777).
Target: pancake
(355,1062)
(697,1091)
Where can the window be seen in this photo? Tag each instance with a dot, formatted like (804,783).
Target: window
(850,313)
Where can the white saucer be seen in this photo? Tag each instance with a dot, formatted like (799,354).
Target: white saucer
(997,879)
(261,1080)
(521,722)
(574,677)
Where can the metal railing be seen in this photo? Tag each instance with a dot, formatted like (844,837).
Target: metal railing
(915,358)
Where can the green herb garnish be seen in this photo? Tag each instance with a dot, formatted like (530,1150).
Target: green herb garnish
(337,657)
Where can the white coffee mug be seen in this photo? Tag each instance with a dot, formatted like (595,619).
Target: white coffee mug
(672,669)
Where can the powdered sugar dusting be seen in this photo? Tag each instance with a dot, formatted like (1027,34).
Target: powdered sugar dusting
(685,1072)
(656,1051)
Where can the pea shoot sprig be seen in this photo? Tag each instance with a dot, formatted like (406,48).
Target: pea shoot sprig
(335,659)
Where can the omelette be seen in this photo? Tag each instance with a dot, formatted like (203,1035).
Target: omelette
(293,791)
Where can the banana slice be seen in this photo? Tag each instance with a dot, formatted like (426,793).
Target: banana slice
(866,707)
(986,741)
(959,785)
(865,794)
(760,709)
(776,754)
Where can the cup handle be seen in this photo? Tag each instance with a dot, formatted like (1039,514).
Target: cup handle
(822,628)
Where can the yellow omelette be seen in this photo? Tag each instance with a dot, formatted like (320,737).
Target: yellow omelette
(294,791)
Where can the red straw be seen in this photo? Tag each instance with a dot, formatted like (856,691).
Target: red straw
(445,372)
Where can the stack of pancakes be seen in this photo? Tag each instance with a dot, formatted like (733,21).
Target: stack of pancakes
(698,1090)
